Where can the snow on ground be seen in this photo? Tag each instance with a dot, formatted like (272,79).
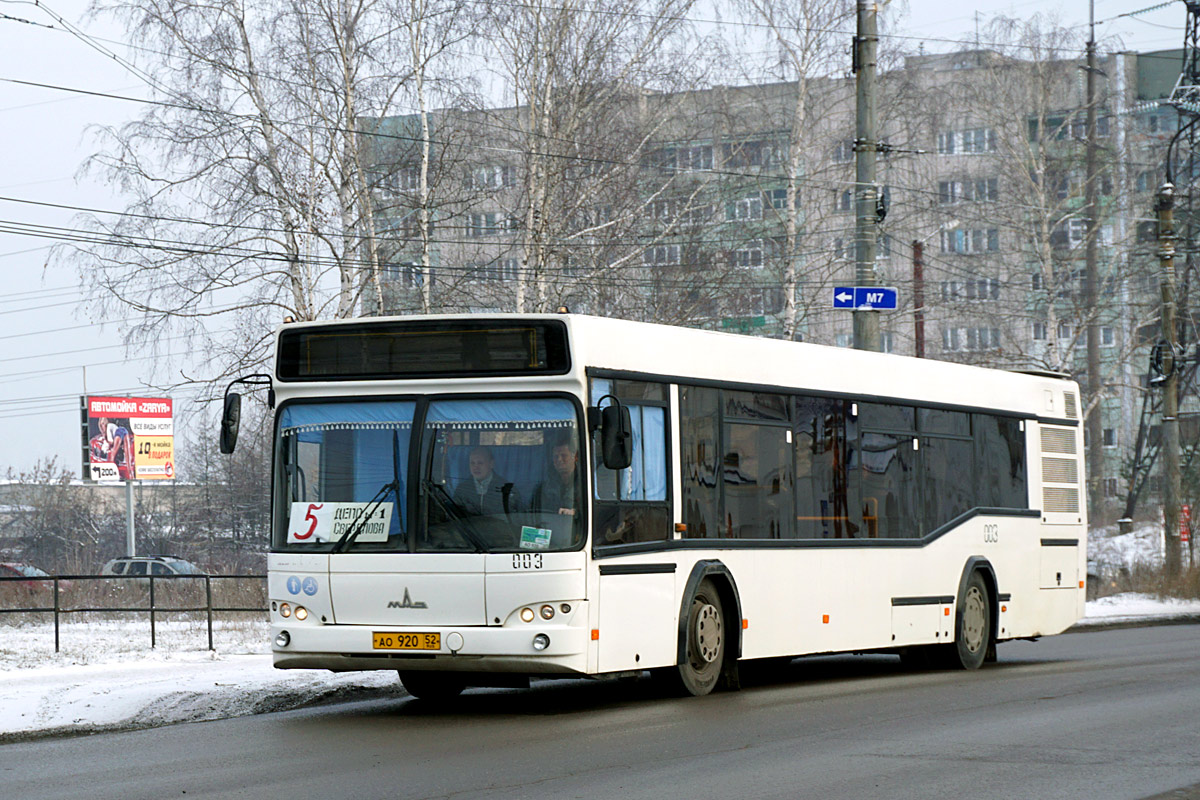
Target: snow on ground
(1111,553)
(106,677)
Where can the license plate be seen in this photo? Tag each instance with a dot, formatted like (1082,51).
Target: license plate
(406,641)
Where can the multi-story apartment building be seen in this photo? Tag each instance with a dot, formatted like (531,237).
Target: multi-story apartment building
(733,207)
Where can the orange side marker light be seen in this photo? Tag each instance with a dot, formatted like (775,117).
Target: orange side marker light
(825,619)
(745,624)
(595,634)
(1004,608)
(946,611)
(1081,584)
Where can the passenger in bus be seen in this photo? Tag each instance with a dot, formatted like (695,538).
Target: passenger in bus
(485,492)
(556,494)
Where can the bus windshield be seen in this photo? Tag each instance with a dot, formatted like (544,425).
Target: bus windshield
(496,474)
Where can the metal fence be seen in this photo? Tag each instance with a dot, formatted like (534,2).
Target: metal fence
(141,587)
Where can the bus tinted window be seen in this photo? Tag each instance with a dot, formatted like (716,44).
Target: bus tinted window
(451,348)
(886,417)
(950,423)
(825,443)
(889,488)
(757,469)
(698,460)
(756,405)
(1000,460)
(946,480)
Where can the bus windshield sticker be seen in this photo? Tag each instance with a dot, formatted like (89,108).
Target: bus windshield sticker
(535,538)
(325,522)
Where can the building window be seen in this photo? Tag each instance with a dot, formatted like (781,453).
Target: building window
(843,151)
(694,159)
(971,242)
(489,224)
(970,339)
(843,200)
(777,199)
(1110,487)
(843,340)
(1039,331)
(746,154)
(1108,336)
(493,176)
(661,255)
(764,300)
(745,208)
(945,143)
(982,289)
(979,140)
(1110,437)
(886,341)
(1064,330)
(748,256)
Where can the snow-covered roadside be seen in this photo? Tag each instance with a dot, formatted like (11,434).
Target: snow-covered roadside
(106,678)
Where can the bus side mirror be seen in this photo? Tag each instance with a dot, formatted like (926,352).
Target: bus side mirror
(231,419)
(616,437)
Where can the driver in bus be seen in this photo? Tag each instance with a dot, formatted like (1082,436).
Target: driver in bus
(485,492)
(556,494)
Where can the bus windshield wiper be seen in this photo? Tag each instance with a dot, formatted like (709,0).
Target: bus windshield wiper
(347,538)
(394,484)
(456,513)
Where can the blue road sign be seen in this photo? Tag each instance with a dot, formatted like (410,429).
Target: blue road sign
(866,298)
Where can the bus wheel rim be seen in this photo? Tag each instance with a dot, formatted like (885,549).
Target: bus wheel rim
(707,633)
(974,620)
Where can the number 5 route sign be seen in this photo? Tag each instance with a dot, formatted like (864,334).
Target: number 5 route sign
(866,298)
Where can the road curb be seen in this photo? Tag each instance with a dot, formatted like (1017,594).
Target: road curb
(1182,619)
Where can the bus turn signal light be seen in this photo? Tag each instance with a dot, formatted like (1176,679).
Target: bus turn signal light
(745,624)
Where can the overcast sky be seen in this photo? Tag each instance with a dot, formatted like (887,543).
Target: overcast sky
(46,337)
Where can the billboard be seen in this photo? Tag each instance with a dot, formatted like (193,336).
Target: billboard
(129,439)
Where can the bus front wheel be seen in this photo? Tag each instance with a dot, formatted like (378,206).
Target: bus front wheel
(706,639)
(432,685)
(973,628)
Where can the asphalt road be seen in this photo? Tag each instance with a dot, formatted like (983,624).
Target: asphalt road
(1110,714)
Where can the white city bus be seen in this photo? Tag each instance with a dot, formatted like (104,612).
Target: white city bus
(472,501)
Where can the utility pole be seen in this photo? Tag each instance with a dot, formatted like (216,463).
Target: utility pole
(866,323)
(918,248)
(1095,386)
(1164,205)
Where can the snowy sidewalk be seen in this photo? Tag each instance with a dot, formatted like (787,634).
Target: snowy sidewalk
(106,678)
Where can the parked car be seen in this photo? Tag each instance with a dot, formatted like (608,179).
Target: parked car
(150,565)
(11,570)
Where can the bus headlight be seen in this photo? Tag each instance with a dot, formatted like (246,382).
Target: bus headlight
(285,610)
(301,613)
(541,641)
(283,639)
(547,611)
(526,615)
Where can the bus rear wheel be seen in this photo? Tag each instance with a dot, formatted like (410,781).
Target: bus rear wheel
(706,639)
(432,685)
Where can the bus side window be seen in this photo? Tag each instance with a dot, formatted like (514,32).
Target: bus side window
(632,504)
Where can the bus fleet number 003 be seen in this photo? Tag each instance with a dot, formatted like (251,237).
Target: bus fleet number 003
(527,560)
(991,533)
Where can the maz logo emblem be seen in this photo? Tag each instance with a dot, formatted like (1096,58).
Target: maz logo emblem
(406,602)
